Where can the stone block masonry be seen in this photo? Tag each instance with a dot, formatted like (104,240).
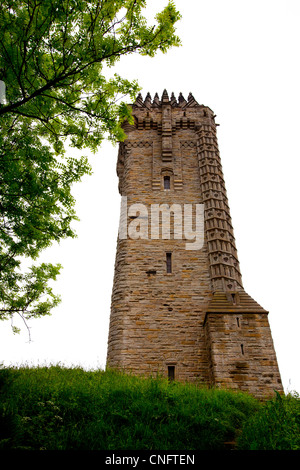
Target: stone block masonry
(178,310)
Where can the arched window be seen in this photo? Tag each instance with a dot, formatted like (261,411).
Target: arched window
(167,178)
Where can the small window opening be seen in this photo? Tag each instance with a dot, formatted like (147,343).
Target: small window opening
(151,271)
(233,299)
(238,321)
(242,349)
(169,262)
(171,373)
(167,182)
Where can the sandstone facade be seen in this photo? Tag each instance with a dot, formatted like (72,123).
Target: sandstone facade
(179,311)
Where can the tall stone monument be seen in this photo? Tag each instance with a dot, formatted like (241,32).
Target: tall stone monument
(178,306)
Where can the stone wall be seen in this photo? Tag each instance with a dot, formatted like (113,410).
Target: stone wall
(241,351)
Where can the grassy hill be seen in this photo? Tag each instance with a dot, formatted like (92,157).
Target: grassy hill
(57,408)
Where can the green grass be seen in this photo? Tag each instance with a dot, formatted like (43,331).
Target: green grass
(275,427)
(57,408)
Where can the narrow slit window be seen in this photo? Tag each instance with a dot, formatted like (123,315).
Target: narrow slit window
(242,349)
(171,373)
(167,182)
(169,262)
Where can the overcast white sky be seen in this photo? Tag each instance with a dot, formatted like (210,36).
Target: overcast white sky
(240,58)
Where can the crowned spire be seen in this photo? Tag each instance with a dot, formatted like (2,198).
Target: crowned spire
(181,100)
(139,100)
(156,100)
(165,97)
(148,100)
(173,100)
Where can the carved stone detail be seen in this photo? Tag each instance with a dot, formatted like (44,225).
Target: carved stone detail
(223,260)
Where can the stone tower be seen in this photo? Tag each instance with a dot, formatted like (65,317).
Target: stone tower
(179,307)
